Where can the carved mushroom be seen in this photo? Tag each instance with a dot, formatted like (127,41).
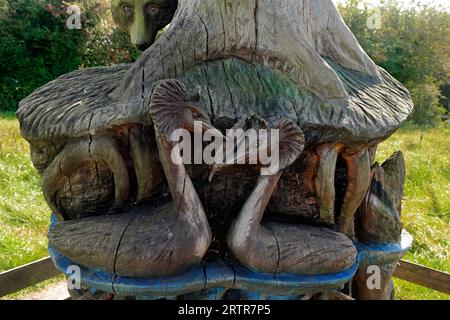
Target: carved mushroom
(152,243)
(91,162)
(291,60)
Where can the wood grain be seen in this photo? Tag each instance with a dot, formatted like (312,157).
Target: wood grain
(100,139)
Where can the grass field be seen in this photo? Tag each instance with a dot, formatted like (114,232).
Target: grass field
(24,215)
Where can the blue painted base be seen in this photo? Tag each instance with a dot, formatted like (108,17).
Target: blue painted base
(215,281)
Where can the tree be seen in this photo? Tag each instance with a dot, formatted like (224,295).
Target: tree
(36,46)
(413,44)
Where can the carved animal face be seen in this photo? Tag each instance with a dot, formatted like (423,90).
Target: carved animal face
(142,19)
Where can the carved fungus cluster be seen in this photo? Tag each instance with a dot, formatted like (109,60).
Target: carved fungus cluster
(101,139)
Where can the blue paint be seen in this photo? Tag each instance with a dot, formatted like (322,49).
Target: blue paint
(381,254)
(211,281)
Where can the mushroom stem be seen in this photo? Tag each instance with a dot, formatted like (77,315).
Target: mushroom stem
(146,164)
(248,223)
(107,150)
(169,108)
(324,181)
(358,172)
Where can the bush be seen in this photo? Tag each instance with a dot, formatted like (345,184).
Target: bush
(413,44)
(427,110)
(36,46)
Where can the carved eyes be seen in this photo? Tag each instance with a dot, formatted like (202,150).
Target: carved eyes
(153,11)
(128,11)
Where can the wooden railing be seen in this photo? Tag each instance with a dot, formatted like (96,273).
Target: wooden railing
(33,273)
(423,276)
(26,276)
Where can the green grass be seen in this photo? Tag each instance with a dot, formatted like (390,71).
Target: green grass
(426,206)
(24,216)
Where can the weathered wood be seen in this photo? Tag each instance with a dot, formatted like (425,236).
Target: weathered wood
(285,46)
(358,176)
(101,139)
(26,276)
(267,93)
(371,109)
(423,276)
(379,217)
(146,242)
(74,105)
(99,151)
(90,241)
(282,248)
(147,166)
(324,181)
(360,284)
(295,195)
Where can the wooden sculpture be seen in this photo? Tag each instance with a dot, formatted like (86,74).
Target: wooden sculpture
(178,233)
(283,248)
(101,140)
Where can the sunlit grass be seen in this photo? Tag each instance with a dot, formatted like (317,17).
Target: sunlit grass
(24,216)
(426,206)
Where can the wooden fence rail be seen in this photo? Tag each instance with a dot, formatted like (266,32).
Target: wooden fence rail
(426,277)
(26,276)
(33,273)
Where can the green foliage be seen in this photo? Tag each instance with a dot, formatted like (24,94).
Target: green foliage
(36,46)
(106,44)
(426,204)
(413,44)
(24,216)
(427,110)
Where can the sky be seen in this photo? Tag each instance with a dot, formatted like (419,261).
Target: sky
(443,3)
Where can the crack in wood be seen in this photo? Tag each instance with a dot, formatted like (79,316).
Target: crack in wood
(229,90)
(207,37)
(278,249)
(255,17)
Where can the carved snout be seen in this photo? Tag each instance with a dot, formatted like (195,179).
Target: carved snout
(142,34)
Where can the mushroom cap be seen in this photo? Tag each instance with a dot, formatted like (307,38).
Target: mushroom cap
(73,105)
(307,67)
(80,103)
